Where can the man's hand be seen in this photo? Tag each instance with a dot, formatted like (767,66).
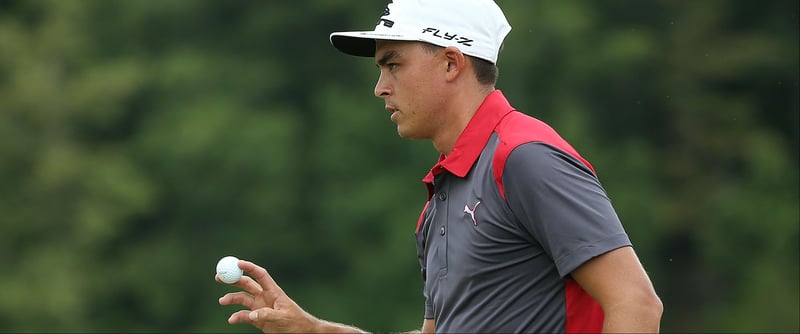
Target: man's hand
(269,308)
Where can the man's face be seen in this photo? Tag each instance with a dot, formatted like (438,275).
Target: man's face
(410,83)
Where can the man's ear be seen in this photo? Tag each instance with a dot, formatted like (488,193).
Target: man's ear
(457,62)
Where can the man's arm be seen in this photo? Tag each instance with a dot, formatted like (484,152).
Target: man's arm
(620,285)
(331,327)
(428,326)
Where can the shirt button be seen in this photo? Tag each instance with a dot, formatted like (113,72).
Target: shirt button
(442,196)
(441,230)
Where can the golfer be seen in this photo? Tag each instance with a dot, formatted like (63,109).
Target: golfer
(517,234)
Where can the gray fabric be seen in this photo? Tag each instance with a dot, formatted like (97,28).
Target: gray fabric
(561,204)
(496,274)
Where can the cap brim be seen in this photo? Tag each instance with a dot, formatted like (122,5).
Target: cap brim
(362,43)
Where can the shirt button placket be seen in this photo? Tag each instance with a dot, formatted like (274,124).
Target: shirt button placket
(442,197)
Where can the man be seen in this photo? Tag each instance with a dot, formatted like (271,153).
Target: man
(517,234)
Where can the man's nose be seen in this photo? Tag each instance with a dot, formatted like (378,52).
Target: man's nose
(381,87)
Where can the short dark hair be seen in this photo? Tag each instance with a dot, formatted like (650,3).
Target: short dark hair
(485,71)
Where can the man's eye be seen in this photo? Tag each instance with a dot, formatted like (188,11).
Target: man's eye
(391,66)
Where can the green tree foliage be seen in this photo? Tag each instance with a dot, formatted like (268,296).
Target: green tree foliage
(141,141)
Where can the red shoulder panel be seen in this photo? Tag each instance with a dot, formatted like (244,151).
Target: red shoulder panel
(516,129)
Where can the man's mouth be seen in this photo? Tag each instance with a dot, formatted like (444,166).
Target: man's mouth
(391,110)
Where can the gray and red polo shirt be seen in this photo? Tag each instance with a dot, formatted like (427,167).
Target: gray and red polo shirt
(511,212)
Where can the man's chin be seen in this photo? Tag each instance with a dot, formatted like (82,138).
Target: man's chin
(404,133)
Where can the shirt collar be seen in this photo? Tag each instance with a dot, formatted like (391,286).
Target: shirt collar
(473,139)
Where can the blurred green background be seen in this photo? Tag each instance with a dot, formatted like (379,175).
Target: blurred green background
(141,141)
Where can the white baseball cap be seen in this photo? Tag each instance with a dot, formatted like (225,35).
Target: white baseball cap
(476,27)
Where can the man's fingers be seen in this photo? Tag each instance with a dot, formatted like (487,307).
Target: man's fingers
(242,316)
(260,315)
(261,276)
(251,317)
(241,298)
(259,295)
(249,285)
(246,283)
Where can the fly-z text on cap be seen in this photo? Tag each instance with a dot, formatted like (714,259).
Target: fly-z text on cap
(448,36)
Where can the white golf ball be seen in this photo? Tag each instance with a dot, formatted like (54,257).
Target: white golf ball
(228,270)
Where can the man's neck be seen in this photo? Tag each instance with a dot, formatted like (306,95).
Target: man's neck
(465,104)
